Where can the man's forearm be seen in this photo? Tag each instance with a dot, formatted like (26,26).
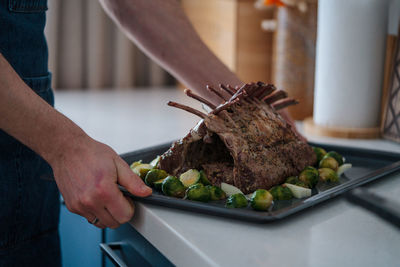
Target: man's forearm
(29,118)
(161,28)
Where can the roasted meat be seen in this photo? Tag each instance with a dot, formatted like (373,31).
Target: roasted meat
(243,141)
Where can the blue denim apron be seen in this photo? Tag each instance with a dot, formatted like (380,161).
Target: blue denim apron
(29,199)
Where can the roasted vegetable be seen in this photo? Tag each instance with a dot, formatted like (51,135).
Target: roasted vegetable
(328,175)
(295,180)
(158,184)
(309,176)
(155,161)
(136,163)
(142,169)
(280,192)
(329,162)
(299,191)
(343,168)
(203,178)
(198,192)
(190,177)
(154,175)
(171,186)
(261,200)
(302,184)
(319,152)
(236,201)
(335,155)
(292,180)
(230,189)
(216,193)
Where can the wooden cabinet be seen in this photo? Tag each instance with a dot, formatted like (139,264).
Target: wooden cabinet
(231,29)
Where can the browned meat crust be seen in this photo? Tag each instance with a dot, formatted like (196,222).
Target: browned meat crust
(243,142)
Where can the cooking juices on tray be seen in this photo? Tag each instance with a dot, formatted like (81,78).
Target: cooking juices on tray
(196,186)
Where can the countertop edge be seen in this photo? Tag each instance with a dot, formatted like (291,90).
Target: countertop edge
(146,220)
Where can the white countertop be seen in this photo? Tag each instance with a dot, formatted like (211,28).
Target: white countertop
(334,233)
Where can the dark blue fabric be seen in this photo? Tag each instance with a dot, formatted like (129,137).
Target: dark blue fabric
(29,198)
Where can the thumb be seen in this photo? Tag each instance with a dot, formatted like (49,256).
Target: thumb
(130,180)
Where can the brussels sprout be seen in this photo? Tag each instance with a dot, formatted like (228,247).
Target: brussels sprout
(158,184)
(335,155)
(299,183)
(190,177)
(309,176)
(328,175)
(142,169)
(198,192)
(292,180)
(203,178)
(281,193)
(136,163)
(216,192)
(154,175)
(236,201)
(319,152)
(261,199)
(329,162)
(171,186)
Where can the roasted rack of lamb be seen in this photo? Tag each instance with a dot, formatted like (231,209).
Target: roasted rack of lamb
(243,141)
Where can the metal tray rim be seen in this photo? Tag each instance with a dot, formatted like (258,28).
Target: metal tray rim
(266,217)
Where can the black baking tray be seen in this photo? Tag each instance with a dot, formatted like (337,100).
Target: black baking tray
(368,165)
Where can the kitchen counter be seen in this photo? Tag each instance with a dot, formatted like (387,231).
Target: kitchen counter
(334,233)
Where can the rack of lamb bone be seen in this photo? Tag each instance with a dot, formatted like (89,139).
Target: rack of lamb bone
(243,141)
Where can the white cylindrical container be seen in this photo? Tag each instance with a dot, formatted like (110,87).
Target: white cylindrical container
(350,62)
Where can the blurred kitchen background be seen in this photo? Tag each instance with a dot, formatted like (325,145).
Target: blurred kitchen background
(87,51)
(274,41)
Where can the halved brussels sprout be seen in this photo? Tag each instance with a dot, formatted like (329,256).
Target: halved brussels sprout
(154,175)
(203,178)
(216,193)
(171,186)
(142,169)
(319,152)
(261,200)
(198,192)
(329,162)
(299,183)
(158,184)
(335,155)
(328,175)
(236,201)
(309,176)
(136,163)
(280,192)
(292,180)
(190,177)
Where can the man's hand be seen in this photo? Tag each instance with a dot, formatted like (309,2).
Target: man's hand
(87,173)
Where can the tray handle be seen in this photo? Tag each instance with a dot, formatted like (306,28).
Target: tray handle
(383,207)
(109,250)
